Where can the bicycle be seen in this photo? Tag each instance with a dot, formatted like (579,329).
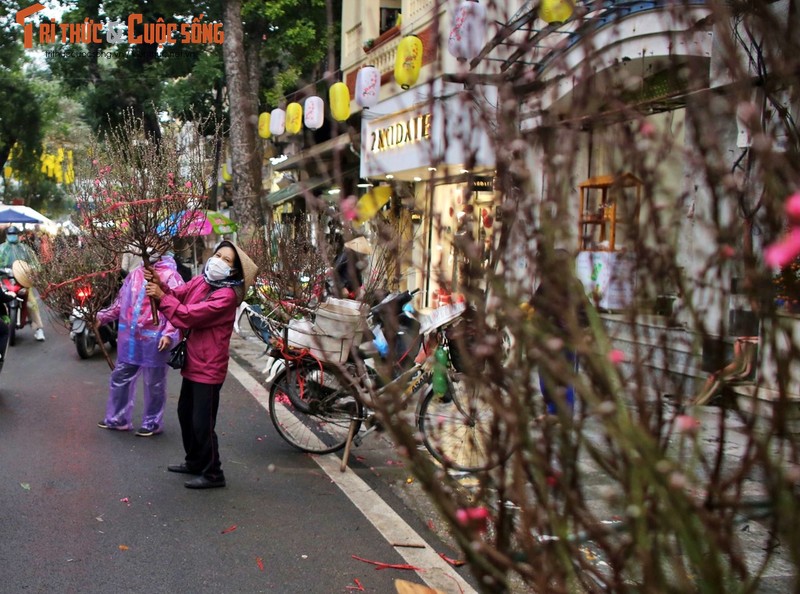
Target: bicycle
(319,406)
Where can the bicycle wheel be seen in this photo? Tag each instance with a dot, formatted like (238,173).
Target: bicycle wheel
(322,422)
(459,431)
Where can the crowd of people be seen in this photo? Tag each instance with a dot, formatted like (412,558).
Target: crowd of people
(159,304)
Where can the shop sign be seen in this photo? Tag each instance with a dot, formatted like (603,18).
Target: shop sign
(400,134)
(482,184)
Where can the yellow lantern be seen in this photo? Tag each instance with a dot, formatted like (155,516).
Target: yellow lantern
(555,11)
(263,125)
(408,62)
(294,118)
(371,202)
(339,96)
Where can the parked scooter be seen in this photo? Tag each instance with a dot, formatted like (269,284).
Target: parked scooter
(18,306)
(81,331)
(395,330)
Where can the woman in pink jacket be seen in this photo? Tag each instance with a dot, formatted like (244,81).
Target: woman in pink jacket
(205,309)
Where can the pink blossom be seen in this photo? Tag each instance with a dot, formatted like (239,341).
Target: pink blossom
(793,207)
(348,206)
(647,129)
(476,517)
(727,251)
(616,356)
(188,184)
(782,252)
(687,424)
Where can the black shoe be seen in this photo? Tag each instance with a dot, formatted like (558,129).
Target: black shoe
(103,425)
(202,482)
(183,469)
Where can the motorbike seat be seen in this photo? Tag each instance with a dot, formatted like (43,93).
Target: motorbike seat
(368,350)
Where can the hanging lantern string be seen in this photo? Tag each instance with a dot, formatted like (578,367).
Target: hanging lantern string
(336,75)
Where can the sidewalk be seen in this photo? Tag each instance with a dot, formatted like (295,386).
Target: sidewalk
(377,454)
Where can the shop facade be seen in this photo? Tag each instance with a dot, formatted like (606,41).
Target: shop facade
(433,145)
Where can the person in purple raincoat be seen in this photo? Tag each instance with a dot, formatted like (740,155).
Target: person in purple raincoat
(142,349)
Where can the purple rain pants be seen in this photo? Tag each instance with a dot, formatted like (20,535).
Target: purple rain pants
(122,395)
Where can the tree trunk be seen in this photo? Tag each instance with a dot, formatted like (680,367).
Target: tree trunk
(245,160)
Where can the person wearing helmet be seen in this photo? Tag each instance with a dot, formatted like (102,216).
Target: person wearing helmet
(10,251)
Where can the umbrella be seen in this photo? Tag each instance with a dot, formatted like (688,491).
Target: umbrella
(220,224)
(12,216)
(201,222)
(196,223)
(27,211)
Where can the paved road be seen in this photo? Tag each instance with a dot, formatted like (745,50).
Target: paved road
(88,510)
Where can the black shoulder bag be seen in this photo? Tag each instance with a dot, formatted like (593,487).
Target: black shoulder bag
(177,356)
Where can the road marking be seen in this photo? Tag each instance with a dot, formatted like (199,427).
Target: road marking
(436,572)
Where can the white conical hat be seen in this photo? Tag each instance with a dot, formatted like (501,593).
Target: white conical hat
(22,273)
(359,245)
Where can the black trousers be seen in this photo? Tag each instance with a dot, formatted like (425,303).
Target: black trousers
(197,413)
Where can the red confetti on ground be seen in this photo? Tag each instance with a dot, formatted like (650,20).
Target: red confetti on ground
(260,563)
(382,565)
(453,562)
(358,587)
(229,529)
(431,526)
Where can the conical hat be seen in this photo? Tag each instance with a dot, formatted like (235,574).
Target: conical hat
(359,245)
(22,273)
(249,268)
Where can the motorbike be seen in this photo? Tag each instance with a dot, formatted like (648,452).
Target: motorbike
(395,331)
(81,331)
(17,307)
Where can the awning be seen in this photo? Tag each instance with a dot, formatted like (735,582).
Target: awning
(295,189)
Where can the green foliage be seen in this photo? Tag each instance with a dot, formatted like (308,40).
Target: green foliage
(294,50)
(140,77)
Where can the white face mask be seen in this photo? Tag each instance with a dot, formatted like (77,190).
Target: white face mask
(216,269)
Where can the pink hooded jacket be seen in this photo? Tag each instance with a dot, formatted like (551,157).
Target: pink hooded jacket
(138,338)
(210,314)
